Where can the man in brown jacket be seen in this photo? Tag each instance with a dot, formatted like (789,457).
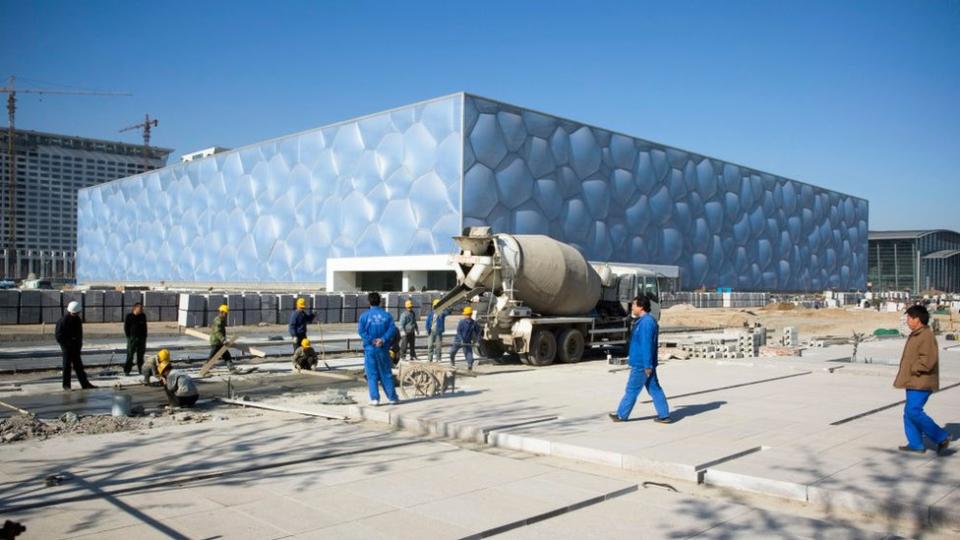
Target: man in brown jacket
(919,375)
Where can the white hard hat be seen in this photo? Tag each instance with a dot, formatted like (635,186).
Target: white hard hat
(73,307)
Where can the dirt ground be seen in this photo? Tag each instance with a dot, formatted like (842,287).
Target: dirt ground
(809,322)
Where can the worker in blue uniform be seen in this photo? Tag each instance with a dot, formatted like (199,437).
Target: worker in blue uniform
(644,342)
(377,330)
(467,332)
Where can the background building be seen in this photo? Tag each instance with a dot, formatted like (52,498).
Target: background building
(50,168)
(914,260)
(385,193)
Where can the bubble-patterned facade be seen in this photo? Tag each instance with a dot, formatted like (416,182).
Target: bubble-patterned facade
(403,182)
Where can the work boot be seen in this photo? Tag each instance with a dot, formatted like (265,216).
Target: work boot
(88,386)
(943,448)
(908,448)
(374,403)
(614,417)
(666,420)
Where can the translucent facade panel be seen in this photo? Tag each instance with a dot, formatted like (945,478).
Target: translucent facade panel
(625,199)
(273,212)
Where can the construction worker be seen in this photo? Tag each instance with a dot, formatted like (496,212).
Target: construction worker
(69,334)
(435,328)
(218,335)
(151,368)
(305,357)
(377,329)
(644,342)
(409,328)
(135,328)
(180,389)
(467,332)
(299,320)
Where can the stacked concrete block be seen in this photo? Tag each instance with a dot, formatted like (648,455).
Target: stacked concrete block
(214,301)
(235,315)
(130,298)
(393,302)
(168,309)
(320,308)
(285,307)
(790,337)
(192,310)
(334,311)
(50,307)
(113,306)
(9,306)
(152,302)
(268,308)
(93,307)
(251,308)
(749,344)
(349,309)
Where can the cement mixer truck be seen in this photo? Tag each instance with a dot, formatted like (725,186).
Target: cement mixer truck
(544,301)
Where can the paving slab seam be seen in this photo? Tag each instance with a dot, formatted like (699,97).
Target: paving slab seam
(500,529)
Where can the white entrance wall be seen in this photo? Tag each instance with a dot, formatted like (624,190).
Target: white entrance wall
(343,273)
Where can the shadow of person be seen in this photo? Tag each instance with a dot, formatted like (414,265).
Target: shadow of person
(953,429)
(683,411)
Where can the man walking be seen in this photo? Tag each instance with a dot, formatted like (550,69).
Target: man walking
(436,325)
(135,328)
(69,334)
(644,342)
(218,336)
(377,329)
(299,320)
(408,331)
(919,375)
(467,332)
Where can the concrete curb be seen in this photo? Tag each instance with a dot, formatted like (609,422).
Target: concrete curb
(938,514)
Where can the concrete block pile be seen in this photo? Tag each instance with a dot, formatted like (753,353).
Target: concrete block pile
(790,337)
(192,310)
(9,306)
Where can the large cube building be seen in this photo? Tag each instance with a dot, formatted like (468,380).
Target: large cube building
(389,190)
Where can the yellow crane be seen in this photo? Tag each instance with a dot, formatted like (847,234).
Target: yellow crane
(11,90)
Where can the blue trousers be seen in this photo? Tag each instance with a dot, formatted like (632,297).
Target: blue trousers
(638,381)
(467,352)
(378,369)
(916,423)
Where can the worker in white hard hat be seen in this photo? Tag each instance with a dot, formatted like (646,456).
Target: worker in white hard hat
(409,328)
(69,335)
(218,335)
(299,320)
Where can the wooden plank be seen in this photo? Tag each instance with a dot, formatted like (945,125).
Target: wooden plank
(14,408)
(279,408)
(252,351)
(196,333)
(216,358)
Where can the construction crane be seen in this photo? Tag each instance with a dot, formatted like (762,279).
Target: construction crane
(11,90)
(146,125)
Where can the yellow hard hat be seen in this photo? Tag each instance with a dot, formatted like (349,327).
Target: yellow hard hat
(163,355)
(468,310)
(224,308)
(436,301)
(301,303)
(408,303)
(305,343)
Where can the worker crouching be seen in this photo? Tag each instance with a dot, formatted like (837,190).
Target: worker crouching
(305,357)
(180,388)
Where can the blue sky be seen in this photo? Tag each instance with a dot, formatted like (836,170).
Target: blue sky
(858,96)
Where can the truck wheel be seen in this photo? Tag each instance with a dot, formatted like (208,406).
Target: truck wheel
(570,346)
(490,349)
(543,348)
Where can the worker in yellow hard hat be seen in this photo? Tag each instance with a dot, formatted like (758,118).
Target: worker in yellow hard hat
(151,368)
(218,335)
(436,325)
(304,357)
(180,389)
(409,328)
(299,320)
(467,332)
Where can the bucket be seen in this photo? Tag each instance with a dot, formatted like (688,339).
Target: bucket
(121,405)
